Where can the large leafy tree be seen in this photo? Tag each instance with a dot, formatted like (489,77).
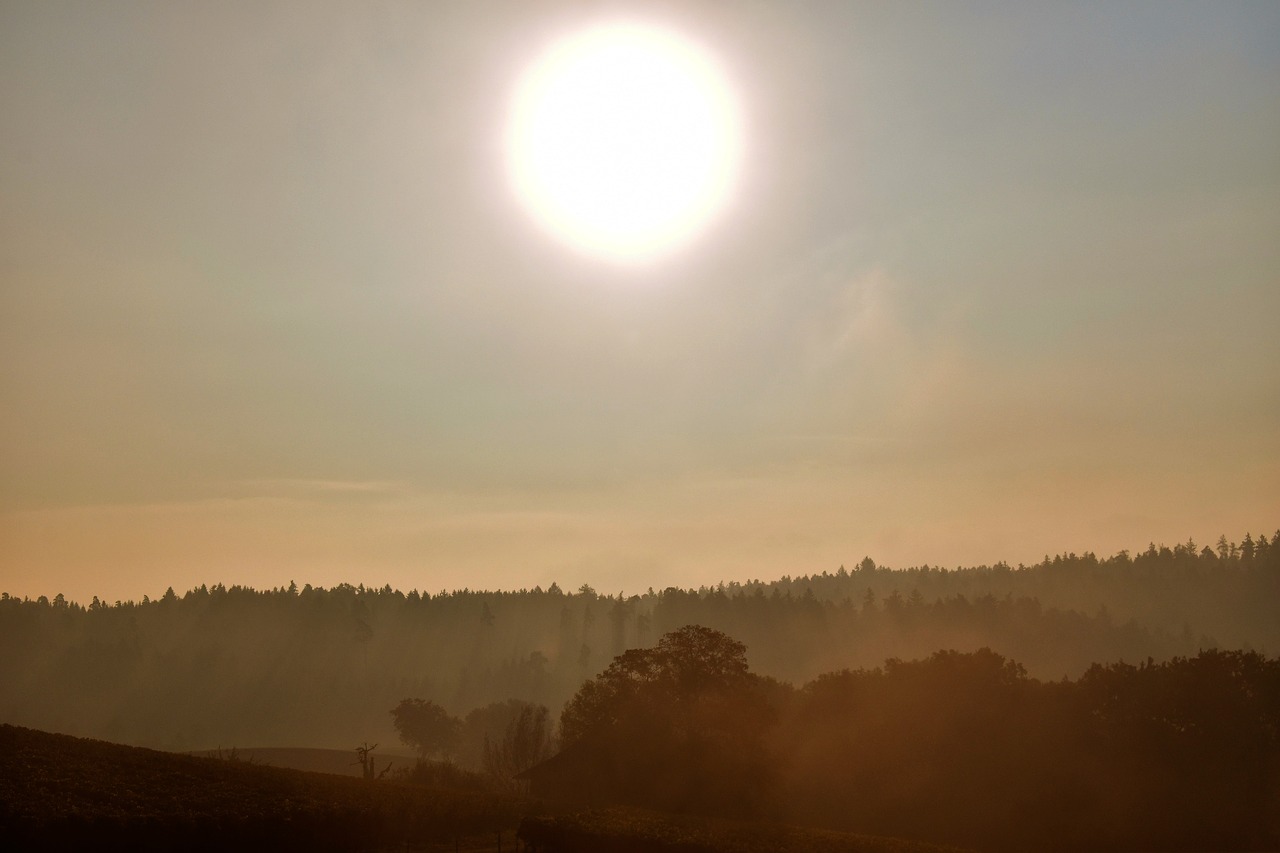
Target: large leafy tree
(679,726)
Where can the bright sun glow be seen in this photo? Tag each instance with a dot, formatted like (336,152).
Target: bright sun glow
(624,140)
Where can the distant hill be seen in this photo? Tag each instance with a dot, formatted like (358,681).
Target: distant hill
(340,762)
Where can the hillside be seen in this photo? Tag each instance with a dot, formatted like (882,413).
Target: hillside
(59,792)
(341,762)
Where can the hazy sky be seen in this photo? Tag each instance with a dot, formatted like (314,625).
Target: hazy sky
(999,280)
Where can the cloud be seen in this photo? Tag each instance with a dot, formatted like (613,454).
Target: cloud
(315,488)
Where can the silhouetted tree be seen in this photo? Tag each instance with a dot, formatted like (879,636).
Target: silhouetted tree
(367,762)
(425,726)
(485,725)
(526,741)
(682,725)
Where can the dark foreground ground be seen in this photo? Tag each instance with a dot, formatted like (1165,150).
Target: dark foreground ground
(61,793)
(636,831)
(64,793)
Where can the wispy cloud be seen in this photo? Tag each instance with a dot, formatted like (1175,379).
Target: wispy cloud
(294,487)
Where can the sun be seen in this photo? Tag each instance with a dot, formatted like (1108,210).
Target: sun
(624,140)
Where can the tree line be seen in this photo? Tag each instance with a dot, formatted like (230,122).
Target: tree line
(960,748)
(306,665)
(496,742)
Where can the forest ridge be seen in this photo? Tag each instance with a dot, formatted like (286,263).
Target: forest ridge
(314,666)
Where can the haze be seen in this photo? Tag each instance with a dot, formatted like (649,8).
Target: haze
(1000,280)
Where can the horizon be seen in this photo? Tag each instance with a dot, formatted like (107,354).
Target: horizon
(1122,555)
